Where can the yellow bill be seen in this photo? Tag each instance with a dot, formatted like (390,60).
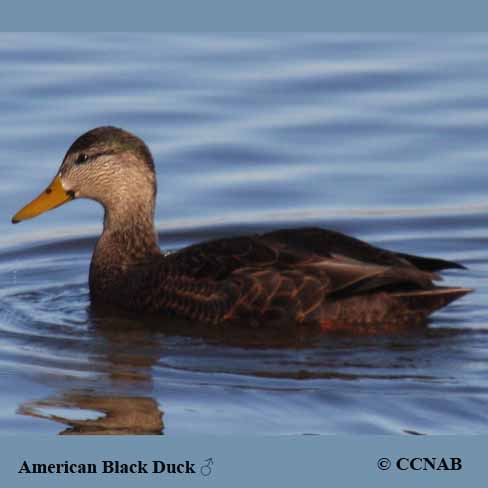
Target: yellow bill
(53,196)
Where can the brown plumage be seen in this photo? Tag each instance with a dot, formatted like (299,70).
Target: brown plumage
(304,276)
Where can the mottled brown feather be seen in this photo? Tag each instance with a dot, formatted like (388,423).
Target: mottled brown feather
(302,276)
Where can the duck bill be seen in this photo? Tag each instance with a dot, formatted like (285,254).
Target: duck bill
(53,196)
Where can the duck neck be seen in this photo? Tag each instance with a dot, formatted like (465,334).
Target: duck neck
(128,237)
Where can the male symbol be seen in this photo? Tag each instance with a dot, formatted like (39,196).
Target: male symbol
(206,469)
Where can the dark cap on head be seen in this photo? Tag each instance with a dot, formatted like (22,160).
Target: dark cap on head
(108,138)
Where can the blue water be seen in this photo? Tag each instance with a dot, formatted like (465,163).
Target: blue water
(384,137)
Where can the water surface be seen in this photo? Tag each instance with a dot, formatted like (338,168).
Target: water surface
(380,136)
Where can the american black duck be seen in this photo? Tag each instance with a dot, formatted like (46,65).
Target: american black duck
(307,276)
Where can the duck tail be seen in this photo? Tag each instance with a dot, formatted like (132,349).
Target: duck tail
(427,301)
(430,264)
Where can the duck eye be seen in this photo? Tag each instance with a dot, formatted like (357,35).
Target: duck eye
(82,158)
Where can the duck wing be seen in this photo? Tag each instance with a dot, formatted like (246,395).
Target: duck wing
(305,293)
(290,248)
(326,242)
(302,275)
(217,259)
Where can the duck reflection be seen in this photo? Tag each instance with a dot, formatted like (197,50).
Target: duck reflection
(121,415)
(125,352)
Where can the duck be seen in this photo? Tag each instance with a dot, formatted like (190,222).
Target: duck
(301,276)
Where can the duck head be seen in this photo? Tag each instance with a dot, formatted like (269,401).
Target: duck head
(106,164)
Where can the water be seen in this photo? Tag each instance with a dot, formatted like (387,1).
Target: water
(380,136)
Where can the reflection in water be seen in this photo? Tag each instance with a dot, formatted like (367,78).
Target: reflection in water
(127,354)
(121,415)
(130,355)
(127,349)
